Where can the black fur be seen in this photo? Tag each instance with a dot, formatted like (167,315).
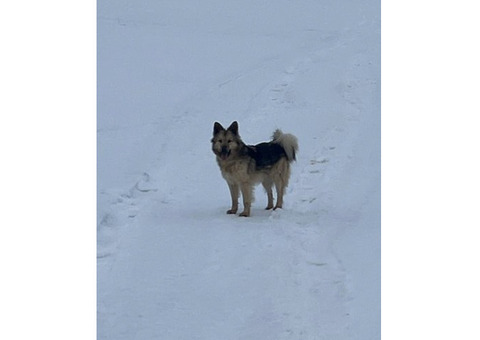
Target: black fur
(266,154)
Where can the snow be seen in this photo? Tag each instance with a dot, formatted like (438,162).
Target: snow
(170,263)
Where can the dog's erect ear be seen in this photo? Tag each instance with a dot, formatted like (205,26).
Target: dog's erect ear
(233,128)
(217,127)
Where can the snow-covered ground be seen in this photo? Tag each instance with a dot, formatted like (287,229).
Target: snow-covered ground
(170,263)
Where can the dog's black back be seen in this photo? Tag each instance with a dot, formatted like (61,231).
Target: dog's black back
(266,154)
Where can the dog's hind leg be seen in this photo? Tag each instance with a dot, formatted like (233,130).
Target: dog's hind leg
(247,194)
(281,183)
(267,184)
(279,186)
(234,192)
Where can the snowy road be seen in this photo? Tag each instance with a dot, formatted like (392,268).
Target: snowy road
(171,263)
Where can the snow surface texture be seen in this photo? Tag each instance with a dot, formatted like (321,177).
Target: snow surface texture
(171,263)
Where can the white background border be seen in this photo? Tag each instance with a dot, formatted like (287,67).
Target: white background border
(48,154)
(430,170)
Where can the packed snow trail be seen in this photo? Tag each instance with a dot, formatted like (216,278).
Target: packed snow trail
(171,263)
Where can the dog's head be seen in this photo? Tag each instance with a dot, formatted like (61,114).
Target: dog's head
(225,142)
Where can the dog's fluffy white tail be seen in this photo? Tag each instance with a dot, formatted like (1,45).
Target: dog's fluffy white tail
(288,142)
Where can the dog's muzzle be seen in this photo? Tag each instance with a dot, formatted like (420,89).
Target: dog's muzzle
(224,153)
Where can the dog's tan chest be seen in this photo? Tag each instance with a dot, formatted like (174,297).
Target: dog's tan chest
(235,171)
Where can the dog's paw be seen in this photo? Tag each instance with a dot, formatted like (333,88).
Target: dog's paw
(231,211)
(244,214)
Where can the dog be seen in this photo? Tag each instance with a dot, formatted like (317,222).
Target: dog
(243,166)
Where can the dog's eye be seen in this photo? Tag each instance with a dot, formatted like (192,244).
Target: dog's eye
(220,141)
(229,141)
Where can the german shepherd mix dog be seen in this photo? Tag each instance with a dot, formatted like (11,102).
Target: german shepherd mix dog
(243,165)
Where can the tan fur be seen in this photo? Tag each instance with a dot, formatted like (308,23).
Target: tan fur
(240,171)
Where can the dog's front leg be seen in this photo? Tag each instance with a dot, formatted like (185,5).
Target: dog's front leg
(234,192)
(247,194)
